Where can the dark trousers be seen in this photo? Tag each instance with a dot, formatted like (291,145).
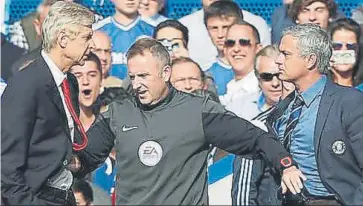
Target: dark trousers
(55,196)
(322,202)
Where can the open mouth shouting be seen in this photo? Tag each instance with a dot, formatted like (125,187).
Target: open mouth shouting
(87,93)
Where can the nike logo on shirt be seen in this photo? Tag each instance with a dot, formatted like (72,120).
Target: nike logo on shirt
(126,128)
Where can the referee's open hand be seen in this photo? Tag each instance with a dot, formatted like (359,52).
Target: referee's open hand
(291,180)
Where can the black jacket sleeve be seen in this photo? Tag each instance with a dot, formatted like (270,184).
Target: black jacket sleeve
(18,115)
(236,135)
(100,143)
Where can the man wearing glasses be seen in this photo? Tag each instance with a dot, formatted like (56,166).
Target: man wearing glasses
(241,45)
(266,71)
(256,107)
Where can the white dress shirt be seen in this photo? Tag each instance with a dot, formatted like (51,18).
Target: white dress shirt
(201,48)
(238,88)
(58,77)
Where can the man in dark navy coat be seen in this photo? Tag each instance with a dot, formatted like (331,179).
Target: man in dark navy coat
(40,126)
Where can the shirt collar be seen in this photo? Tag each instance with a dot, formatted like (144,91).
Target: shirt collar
(155,17)
(126,27)
(222,64)
(57,74)
(248,83)
(314,91)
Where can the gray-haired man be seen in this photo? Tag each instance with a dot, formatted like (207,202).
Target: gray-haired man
(321,122)
(39,113)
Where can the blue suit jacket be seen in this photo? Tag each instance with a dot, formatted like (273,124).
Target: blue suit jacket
(338,141)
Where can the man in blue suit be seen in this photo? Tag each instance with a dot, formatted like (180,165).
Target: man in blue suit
(320,123)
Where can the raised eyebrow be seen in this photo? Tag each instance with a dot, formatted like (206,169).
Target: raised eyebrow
(306,8)
(321,7)
(91,72)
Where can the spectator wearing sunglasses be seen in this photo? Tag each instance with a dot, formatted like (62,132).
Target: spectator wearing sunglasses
(345,35)
(201,47)
(241,45)
(267,73)
(174,37)
(247,169)
(218,17)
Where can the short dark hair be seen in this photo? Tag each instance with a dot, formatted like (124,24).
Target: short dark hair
(180,60)
(223,9)
(255,32)
(298,5)
(148,44)
(344,24)
(83,187)
(176,25)
(94,58)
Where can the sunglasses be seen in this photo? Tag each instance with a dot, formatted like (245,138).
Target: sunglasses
(339,46)
(266,77)
(242,42)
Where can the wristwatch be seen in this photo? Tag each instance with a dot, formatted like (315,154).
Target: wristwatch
(287,162)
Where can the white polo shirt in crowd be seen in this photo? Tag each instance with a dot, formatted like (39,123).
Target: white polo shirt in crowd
(238,88)
(58,77)
(200,46)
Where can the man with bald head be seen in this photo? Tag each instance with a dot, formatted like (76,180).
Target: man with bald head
(103,48)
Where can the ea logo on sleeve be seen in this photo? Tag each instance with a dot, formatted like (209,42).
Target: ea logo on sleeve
(150,153)
(339,147)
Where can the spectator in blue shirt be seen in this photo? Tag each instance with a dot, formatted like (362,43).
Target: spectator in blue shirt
(124,28)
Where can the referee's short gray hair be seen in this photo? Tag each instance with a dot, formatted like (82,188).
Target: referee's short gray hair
(312,40)
(64,17)
(151,45)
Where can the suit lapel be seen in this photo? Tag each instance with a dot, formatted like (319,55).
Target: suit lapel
(325,105)
(53,93)
(73,84)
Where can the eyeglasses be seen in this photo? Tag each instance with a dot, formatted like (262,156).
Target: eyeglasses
(242,42)
(339,46)
(268,76)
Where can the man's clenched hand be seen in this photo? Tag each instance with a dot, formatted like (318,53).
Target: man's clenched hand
(291,180)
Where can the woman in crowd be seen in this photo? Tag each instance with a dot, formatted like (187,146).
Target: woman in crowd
(345,35)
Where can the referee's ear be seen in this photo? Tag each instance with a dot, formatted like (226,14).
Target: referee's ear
(166,73)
